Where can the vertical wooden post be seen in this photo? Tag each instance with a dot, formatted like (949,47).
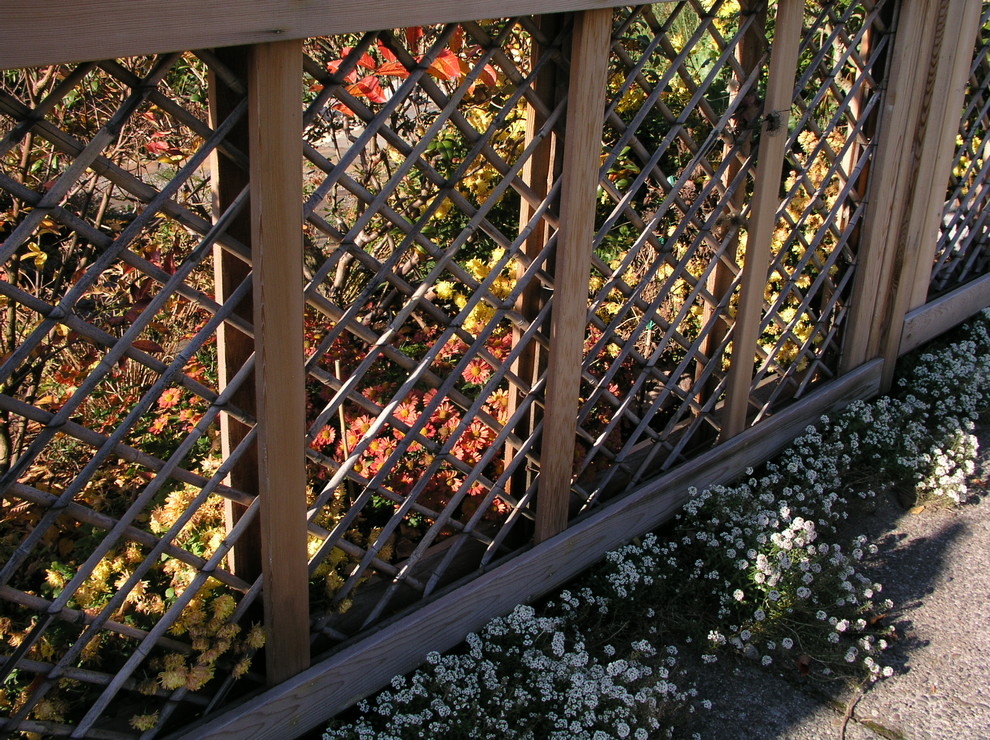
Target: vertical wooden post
(763,218)
(233,346)
(275,118)
(582,147)
(538,173)
(948,96)
(737,144)
(907,188)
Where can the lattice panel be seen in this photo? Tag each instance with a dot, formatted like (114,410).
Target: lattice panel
(116,608)
(675,175)
(836,96)
(963,250)
(432,176)
(417,261)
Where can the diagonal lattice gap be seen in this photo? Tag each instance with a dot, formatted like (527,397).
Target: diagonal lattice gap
(124,521)
(649,314)
(108,362)
(428,358)
(810,249)
(634,438)
(83,161)
(496,490)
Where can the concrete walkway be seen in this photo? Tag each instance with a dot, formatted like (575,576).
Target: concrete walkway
(935,566)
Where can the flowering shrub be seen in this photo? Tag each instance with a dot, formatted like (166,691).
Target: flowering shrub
(764,566)
(530,676)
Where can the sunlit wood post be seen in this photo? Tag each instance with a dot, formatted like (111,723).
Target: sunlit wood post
(908,181)
(948,96)
(275,119)
(234,347)
(572,271)
(763,212)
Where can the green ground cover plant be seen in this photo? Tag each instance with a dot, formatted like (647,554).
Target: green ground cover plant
(770,567)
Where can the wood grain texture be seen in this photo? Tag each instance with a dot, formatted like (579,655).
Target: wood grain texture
(953,25)
(749,54)
(36,33)
(360,669)
(932,319)
(893,180)
(275,116)
(948,94)
(763,218)
(572,270)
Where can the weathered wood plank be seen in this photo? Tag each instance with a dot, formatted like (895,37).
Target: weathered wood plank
(360,669)
(932,319)
(763,218)
(76,30)
(954,25)
(948,95)
(885,275)
(572,271)
(275,120)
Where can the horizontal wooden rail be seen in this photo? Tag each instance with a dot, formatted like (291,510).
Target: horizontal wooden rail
(76,30)
(937,317)
(327,688)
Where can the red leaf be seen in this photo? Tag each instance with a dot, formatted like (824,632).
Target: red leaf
(386,53)
(393,69)
(446,66)
(365,61)
(146,345)
(157,147)
(333,66)
(488,76)
(457,40)
(343,109)
(370,88)
(413,35)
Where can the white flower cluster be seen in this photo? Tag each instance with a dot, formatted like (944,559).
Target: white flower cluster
(937,449)
(764,555)
(528,676)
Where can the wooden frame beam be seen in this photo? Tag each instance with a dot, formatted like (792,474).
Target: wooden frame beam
(234,347)
(933,319)
(749,54)
(275,121)
(572,266)
(949,78)
(79,30)
(538,173)
(907,187)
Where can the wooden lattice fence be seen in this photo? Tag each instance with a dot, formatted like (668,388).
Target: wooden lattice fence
(319,352)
